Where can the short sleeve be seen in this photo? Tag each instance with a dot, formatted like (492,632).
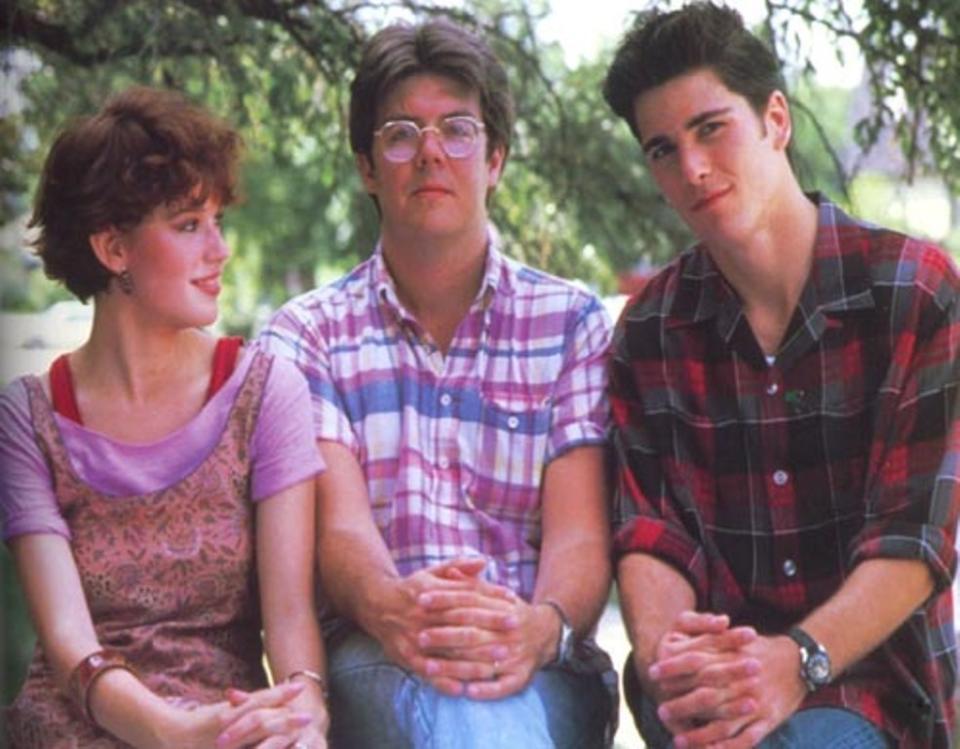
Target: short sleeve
(28,503)
(581,410)
(294,334)
(284,449)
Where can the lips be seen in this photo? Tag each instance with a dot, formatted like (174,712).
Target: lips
(706,200)
(209,284)
(430,189)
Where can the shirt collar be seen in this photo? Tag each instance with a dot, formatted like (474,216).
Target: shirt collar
(497,276)
(839,278)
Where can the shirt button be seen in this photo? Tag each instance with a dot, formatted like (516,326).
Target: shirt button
(789,568)
(445,399)
(469,502)
(513,422)
(444,462)
(780,478)
(773,388)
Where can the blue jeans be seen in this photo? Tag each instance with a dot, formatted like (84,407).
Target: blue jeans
(815,728)
(376,704)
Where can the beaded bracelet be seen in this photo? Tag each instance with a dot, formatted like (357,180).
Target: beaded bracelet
(310,675)
(88,671)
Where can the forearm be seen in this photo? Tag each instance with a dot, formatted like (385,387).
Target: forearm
(562,580)
(296,648)
(357,573)
(652,596)
(118,701)
(123,706)
(877,597)
(576,537)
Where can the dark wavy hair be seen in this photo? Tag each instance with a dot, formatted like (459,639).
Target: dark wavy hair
(663,45)
(439,47)
(145,148)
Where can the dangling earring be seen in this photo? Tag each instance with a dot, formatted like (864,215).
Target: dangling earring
(125,281)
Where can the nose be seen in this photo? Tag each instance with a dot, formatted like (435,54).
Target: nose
(429,148)
(695,164)
(217,247)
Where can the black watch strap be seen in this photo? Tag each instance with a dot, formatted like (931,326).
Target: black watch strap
(802,639)
(815,667)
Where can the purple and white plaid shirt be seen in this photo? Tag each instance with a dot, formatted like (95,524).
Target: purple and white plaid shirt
(454,448)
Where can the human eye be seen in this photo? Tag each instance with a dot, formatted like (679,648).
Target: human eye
(710,127)
(399,133)
(188,225)
(659,151)
(459,128)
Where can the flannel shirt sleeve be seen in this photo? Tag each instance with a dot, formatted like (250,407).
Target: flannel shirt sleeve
(647,517)
(912,494)
(294,333)
(581,410)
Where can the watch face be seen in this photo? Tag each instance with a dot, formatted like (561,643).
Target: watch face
(818,668)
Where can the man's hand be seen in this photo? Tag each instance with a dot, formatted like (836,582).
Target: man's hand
(488,647)
(704,675)
(397,628)
(778,681)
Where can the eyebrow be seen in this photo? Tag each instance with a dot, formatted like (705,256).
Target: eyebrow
(690,124)
(420,120)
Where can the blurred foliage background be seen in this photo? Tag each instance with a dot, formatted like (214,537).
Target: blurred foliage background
(576,198)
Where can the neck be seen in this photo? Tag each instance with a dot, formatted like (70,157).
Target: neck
(136,361)
(771,269)
(438,281)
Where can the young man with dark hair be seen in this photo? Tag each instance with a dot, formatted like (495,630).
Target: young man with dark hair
(784,399)
(460,407)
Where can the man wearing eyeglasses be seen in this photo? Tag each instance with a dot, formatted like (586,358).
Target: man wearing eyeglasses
(459,405)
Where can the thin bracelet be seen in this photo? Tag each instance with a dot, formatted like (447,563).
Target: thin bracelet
(310,675)
(87,671)
(564,619)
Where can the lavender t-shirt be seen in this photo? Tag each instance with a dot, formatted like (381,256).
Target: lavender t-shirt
(283,450)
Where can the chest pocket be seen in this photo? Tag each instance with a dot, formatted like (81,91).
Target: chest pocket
(507,449)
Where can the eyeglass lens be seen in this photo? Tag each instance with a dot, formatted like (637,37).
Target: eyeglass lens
(401,138)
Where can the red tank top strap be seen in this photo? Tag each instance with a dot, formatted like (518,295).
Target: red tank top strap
(224,362)
(62,392)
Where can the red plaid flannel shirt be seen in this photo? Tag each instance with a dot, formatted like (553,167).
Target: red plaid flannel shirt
(766,484)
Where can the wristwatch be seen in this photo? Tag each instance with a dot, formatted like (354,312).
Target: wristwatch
(567,640)
(814,660)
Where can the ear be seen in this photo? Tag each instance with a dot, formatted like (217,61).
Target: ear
(110,250)
(367,172)
(777,120)
(495,164)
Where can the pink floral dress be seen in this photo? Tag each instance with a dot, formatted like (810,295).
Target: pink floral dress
(169,577)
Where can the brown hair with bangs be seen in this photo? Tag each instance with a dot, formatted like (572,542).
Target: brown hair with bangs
(441,47)
(145,148)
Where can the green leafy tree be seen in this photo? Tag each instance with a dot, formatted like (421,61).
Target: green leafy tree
(911,51)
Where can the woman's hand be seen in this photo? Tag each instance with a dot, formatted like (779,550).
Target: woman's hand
(263,715)
(309,702)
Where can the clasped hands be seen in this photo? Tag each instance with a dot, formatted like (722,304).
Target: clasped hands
(285,716)
(464,635)
(723,687)
(290,715)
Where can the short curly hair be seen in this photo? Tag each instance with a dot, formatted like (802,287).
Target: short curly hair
(145,148)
